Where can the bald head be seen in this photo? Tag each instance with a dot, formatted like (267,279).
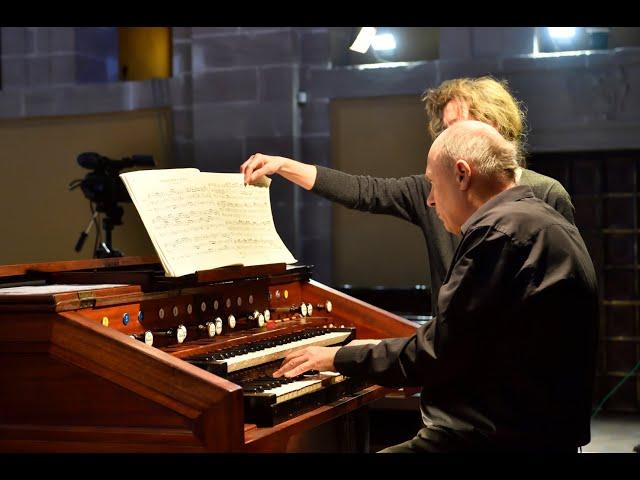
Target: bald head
(481,146)
(468,163)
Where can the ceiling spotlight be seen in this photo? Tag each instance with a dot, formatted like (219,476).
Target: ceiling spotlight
(561,33)
(363,41)
(384,41)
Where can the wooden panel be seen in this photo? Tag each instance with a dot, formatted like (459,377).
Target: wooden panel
(237,272)
(111,355)
(275,439)
(42,219)
(370,321)
(605,189)
(382,137)
(74,397)
(207,405)
(87,264)
(70,439)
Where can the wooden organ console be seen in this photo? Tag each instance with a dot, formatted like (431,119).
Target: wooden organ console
(128,360)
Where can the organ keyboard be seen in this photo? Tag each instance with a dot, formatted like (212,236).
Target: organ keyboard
(110,355)
(230,360)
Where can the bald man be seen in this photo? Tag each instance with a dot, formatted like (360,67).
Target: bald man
(508,362)
(485,99)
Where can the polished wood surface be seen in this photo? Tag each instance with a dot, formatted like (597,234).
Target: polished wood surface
(274,439)
(68,371)
(370,321)
(74,380)
(97,263)
(236,272)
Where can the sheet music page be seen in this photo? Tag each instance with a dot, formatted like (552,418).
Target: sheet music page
(183,220)
(247,213)
(201,221)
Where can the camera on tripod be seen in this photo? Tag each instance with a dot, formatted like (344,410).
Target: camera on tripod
(104,188)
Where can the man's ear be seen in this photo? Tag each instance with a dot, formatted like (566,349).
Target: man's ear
(463,174)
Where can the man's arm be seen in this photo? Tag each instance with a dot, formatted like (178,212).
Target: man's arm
(401,197)
(441,351)
(458,340)
(314,358)
(259,165)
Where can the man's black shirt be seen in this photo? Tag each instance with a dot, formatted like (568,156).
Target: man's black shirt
(509,360)
(406,198)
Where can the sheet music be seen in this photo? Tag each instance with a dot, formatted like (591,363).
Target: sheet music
(247,212)
(200,221)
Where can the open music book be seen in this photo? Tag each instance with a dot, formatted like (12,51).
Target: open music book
(200,220)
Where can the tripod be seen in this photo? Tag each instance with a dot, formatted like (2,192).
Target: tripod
(113,216)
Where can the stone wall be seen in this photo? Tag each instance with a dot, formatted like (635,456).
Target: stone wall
(234,91)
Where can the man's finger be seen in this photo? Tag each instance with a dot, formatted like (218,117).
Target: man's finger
(299,370)
(293,362)
(289,363)
(294,354)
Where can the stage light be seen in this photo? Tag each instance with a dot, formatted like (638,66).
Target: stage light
(363,41)
(561,33)
(384,41)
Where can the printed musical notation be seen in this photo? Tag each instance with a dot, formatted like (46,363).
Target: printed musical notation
(200,220)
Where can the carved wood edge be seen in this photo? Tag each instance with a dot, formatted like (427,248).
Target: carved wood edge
(72,438)
(274,439)
(154,375)
(353,309)
(61,266)
(237,272)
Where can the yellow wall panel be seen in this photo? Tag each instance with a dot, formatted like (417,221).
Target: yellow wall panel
(145,52)
(41,218)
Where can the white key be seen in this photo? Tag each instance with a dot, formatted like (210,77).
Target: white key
(302,387)
(280,351)
(295,389)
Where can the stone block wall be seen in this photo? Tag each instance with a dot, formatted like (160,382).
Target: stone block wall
(234,91)
(583,102)
(244,85)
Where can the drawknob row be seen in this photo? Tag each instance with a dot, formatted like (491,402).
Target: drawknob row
(305,309)
(215,327)
(209,329)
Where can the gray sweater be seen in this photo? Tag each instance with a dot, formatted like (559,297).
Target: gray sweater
(406,198)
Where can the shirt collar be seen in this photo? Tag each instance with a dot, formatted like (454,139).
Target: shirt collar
(512,194)
(518,172)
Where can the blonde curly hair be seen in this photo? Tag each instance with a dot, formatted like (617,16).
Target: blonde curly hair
(489,101)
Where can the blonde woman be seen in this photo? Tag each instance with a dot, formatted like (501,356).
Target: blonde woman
(485,99)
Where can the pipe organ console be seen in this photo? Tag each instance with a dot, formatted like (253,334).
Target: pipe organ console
(109,355)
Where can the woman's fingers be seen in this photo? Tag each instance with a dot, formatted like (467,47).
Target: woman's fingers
(249,167)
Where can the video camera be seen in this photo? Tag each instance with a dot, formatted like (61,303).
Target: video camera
(104,187)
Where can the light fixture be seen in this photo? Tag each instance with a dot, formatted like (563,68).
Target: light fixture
(384,41)
(561,33)
(363,41)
